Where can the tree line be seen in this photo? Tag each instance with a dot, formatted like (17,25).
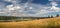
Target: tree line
(51,16)
(12,17)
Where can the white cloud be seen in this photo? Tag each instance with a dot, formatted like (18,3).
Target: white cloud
(54,0)
(54,3)
(16,9)
(12,7)
(11,1)
(54,8)
(38,11)
(8,0)
(30,8)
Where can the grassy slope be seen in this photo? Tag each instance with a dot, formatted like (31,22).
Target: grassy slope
(51,22)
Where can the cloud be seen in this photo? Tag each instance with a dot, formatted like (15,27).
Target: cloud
(54,3)
(12,7)
(11,1)
(53,0)
(28,9)
(29,12)
(54,7)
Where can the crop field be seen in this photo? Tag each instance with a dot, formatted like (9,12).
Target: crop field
(41,23)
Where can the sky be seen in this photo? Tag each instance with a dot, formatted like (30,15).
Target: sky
(29,8)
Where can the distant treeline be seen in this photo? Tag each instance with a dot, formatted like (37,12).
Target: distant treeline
(7,17)
(13,17)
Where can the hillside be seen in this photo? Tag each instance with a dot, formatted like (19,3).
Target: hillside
(42,23)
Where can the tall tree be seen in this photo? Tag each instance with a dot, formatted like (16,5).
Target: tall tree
(57,15)
(48,16)
(51,16)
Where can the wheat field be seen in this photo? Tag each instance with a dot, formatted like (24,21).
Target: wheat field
(41,23)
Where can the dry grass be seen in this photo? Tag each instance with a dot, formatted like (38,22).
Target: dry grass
(42,23)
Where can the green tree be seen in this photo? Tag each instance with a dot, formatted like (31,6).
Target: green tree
(48,16)
(57,15)
(51,16)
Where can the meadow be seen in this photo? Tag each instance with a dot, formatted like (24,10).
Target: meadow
(41,23)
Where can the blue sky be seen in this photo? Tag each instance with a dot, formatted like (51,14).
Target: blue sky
(27,8)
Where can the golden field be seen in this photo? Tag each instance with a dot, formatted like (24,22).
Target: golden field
(42,23)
